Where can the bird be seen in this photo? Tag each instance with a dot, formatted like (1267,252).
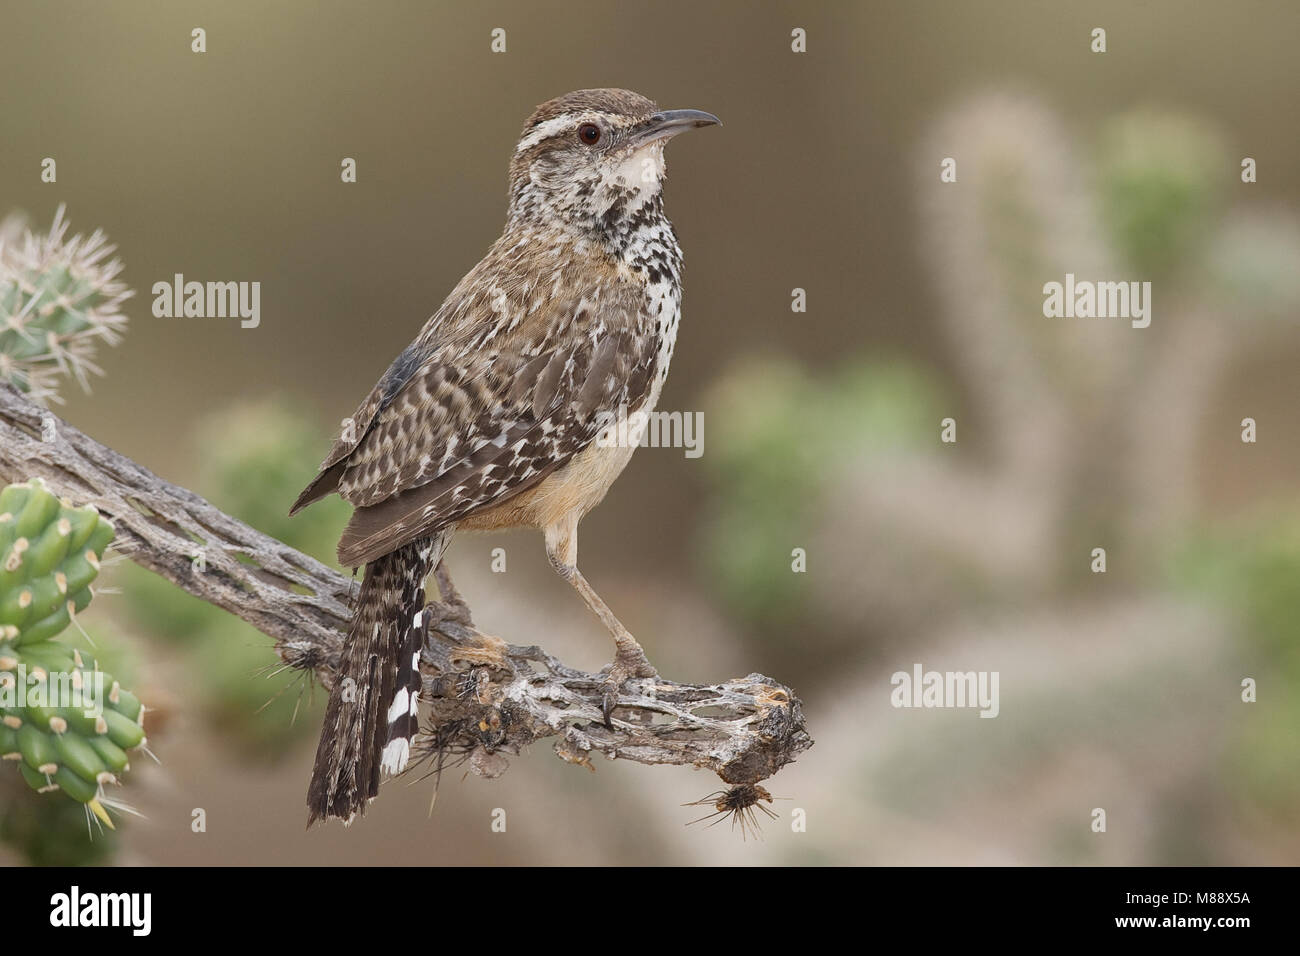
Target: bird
(492,417)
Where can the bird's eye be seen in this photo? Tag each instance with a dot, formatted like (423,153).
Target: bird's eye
(589,134)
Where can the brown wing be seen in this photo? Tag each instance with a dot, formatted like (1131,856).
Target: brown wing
(356,427)
(464,426)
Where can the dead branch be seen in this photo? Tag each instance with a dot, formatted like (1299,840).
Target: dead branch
(486,697)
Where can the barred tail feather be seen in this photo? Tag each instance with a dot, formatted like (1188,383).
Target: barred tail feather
(404,711)
(373,710)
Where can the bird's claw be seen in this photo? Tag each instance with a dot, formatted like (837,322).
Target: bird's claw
(623,669)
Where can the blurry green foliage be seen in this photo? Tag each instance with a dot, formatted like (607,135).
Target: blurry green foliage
(788,432)
(1253,570)
(1162,179)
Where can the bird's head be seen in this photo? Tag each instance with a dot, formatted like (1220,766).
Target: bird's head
(589,159)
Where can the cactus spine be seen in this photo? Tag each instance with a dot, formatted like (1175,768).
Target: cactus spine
(59,298)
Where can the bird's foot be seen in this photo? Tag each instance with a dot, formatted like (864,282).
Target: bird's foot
(628,664)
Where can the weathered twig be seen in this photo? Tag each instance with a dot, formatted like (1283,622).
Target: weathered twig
(486,697)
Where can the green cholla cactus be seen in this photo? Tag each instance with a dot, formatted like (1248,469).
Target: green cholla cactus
(67,724)
(58,299)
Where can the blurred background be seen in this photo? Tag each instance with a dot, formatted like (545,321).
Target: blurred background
(924,301)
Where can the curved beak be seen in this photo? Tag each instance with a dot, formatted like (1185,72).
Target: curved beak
(668,123)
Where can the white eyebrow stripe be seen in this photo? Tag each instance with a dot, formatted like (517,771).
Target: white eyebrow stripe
(552,126)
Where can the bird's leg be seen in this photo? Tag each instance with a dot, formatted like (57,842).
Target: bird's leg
(629,657)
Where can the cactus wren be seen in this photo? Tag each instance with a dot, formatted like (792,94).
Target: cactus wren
(490,418)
